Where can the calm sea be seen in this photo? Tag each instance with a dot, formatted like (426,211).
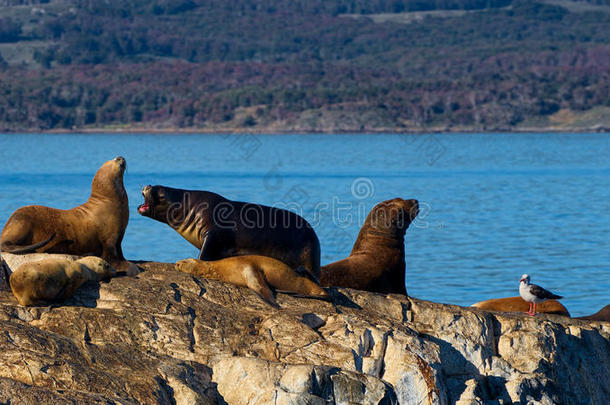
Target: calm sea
(494,206)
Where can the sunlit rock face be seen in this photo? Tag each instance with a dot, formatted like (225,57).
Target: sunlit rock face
(167,337)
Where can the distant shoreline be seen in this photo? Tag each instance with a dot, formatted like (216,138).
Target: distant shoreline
(276,131)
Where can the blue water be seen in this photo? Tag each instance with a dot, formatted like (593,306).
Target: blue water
(494,206)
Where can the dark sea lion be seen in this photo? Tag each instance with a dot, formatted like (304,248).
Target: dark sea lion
(517,304)
(5,274)
(601,315)
(94,228)
(56,279)
(255,272)
(222,228)
(377,260)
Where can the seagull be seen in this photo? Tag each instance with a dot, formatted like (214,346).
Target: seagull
(533,293)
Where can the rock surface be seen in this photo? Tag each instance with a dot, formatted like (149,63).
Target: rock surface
(167,337)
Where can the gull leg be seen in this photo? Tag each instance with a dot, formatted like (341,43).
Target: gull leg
(534,308)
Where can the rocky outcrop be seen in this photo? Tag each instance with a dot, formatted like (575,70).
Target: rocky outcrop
(168,337)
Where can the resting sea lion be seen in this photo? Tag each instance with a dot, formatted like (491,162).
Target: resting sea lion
(222,228)
(254,272)
(56,279)
(602,315)
(94,228)
(517,304)
(377,260)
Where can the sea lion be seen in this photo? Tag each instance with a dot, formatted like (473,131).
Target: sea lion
(255,272)
(222,228)
(603,315)
(377,260)
(56,279)
(5,274)
(94,228)
(517,304)
(13,261)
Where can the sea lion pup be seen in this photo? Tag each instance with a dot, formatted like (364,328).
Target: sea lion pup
(222,228)
(377,260)
(255,272)
(517,304)
(94,228)
(56,279)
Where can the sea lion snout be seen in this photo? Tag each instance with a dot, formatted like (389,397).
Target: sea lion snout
(186,265)
(144,208)
(412,208)
(121,161)
(394,215)
(146,190)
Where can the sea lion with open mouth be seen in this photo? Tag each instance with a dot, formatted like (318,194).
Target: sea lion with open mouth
(95,228)
(222,228)
(377,260)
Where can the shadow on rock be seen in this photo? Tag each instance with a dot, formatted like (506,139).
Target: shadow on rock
(338,298)
(463,378)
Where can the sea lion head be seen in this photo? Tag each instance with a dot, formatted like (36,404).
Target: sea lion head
(186,265)
(108,181)
(392,217)
(98,266)
(160,203)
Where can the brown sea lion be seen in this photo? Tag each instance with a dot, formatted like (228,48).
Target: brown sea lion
(222,228)
(255,272)
(56,279)
(94,228)
(517,304)
(601,315)
(377,260)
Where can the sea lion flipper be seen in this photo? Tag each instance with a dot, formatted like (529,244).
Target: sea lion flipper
(255,281)
(303,272)
(207,240)
(301,295)
(18,250)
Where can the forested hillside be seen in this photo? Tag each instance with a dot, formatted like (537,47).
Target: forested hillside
(304,65)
